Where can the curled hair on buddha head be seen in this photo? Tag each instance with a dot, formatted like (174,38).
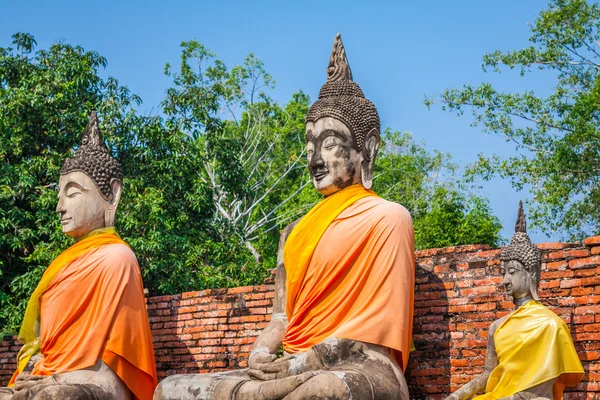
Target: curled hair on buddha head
(94,159)
(342,99)
(524,251)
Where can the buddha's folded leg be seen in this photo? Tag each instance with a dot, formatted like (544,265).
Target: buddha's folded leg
(271,390)
(358,383)
(64,392)
(6,393)
(227,386)
(199,386)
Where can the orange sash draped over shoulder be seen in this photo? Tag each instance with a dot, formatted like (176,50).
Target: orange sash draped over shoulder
(94,308)
(350,273)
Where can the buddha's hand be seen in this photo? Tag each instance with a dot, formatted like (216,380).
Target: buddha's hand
(277,369)
(259,357)
(26,381)
(290,365)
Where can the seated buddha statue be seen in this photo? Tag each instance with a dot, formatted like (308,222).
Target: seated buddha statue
(344,286)
(85,332)
(530,353)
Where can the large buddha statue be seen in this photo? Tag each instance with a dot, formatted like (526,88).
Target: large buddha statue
(343,305)
(86,332)
(530,353)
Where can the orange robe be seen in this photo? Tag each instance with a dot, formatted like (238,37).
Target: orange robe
(94,308)
(359,283)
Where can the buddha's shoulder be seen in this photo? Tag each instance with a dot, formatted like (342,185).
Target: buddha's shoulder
(388,210)
(117,253)
(551,318)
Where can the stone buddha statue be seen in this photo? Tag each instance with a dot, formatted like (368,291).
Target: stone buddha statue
(530,353)
(85,332)
(343,304)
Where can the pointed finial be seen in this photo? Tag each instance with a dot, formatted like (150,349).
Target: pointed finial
(521,225)
(91,134)
(338,68)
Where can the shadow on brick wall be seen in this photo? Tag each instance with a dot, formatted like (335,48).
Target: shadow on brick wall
(207,331)
(428,373)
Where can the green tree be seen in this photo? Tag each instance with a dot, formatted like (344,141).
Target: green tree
(557,136)
(208,184)
(251,148)
(45,100)
(443,210)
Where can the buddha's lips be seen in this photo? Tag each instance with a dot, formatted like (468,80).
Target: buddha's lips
(65,221)
(320,175)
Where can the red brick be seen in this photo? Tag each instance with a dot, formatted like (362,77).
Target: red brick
(577,253)
(556,265)
(592,241)
(557,274)
(569,283)
(556,255)
(584,262)
(551,246)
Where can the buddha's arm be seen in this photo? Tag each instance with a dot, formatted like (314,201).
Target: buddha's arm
(478,384)
(268,343)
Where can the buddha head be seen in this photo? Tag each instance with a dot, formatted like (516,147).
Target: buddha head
(342,130)
(90,185)
(521,262)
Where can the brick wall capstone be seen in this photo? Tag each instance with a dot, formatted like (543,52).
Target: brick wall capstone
(457,297)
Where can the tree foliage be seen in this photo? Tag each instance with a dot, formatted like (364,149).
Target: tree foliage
(557,136)
(209,182)
(445,211)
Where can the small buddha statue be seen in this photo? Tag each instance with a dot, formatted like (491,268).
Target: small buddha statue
(85,332)
(344,286)
(530,353)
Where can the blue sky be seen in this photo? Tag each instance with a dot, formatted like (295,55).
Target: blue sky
(399,51)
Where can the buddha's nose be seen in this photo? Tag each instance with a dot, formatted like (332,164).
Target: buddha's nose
(60,207)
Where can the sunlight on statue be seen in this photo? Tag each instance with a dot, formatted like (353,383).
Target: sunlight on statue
(89,305)
(530,353)
(343,304)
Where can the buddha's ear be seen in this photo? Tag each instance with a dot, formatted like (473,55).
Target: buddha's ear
(369,152)
(533,286)
(116,187)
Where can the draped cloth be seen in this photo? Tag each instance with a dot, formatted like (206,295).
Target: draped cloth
(90,305)
(534,346)
(350,273)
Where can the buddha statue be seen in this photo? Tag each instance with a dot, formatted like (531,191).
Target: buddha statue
(530,353)
(344,286)
(85,332)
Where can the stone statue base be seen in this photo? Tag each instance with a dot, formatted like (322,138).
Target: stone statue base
(360,372)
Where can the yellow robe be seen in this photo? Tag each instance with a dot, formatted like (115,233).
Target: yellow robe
(534,346)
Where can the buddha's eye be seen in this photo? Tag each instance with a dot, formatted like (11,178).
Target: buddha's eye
(329,143)
(72,192)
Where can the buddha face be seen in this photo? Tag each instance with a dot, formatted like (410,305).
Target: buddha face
(517,280)
(333,161)
(81,206)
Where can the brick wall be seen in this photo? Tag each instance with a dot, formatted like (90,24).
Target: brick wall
(456,299)
(8,353)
